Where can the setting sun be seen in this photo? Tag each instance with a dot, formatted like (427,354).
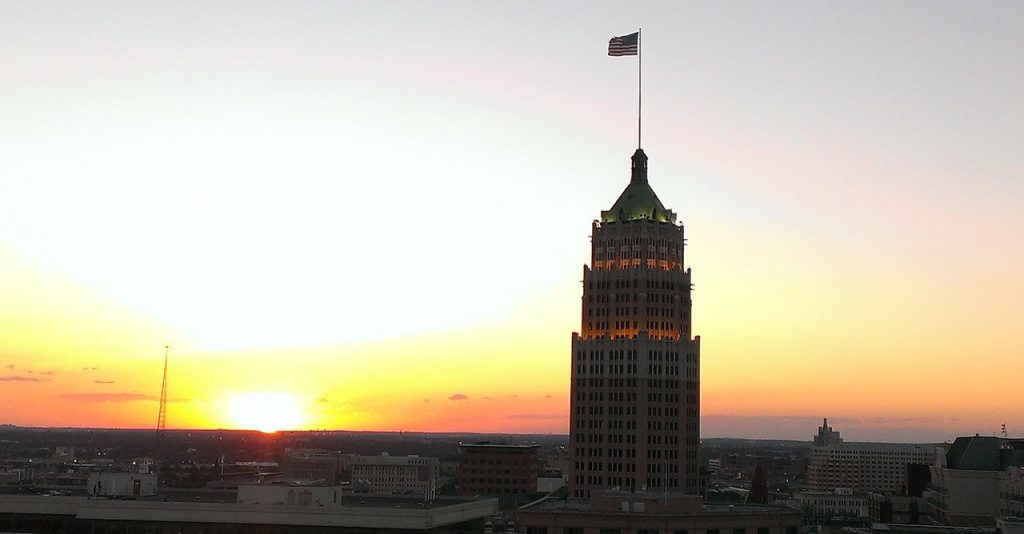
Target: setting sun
(266,411)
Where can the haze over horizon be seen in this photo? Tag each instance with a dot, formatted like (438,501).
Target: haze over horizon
(375,216)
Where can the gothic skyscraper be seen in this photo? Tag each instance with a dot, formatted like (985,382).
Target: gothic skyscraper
(635,401)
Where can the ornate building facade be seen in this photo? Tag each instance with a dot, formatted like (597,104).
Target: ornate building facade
(635,393)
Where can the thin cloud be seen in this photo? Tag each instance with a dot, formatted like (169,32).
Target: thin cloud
(458,397)
(103,382)
(90,368)
(20,379)
(41,373)
(537,416)
(322,399)
(9,366)
(107,397)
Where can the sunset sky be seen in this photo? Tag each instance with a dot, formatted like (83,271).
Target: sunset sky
(375,215)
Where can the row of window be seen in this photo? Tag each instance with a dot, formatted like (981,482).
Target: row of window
(638,240)
(631,355)
(663,265)
(637,254)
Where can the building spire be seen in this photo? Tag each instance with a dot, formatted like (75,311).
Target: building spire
(639,173)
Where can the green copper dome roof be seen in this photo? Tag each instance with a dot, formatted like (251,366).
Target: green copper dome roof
(638,201)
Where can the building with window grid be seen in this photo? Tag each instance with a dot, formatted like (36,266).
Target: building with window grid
(635,392)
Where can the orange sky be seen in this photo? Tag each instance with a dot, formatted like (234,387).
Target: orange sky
(312,204)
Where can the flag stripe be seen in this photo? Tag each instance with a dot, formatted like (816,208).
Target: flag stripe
(627,45)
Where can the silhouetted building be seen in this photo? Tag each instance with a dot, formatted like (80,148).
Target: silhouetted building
(758,486)
(635,391)
(827,436)
(497,469)
(918,478)
(903,509)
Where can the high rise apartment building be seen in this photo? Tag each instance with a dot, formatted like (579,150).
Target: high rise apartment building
(863,467)
(635,402)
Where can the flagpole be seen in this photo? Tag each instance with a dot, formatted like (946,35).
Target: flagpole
(639,84)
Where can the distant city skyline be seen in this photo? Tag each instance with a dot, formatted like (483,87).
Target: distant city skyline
(374,216)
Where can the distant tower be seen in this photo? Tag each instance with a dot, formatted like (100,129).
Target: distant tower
(758,486)
(827,436)
(161,418)
(635,392)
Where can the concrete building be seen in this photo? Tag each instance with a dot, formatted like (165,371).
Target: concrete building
(616,512)
(1011,495)
(863,467)
(635,391)
(972,484)
(121,485)
(1010,525)
(291,495)
(497,469)
(311,465)
(550,480)
(897,528)
(395,475)
(365,515)
(839,503)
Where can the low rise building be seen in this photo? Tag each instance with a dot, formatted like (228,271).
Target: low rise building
(615,512)
(497,469)
(121,485)
(971,486)
(310,465)
(903,509)
(1012,493)
(365,515)
(395,475)
(838,503)
(290,495)
(550,480)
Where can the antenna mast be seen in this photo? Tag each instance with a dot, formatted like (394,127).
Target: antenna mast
(161,418)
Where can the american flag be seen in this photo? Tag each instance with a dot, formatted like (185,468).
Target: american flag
(627,45)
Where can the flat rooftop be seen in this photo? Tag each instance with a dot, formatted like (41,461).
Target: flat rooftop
(369,513)
(553,505)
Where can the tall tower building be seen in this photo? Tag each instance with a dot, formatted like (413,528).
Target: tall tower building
(635,401)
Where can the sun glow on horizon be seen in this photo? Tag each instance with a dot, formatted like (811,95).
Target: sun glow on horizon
(265,411)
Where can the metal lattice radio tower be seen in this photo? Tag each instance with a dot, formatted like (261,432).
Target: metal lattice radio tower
(161,418)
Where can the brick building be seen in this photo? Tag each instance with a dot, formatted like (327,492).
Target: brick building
(497,469)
